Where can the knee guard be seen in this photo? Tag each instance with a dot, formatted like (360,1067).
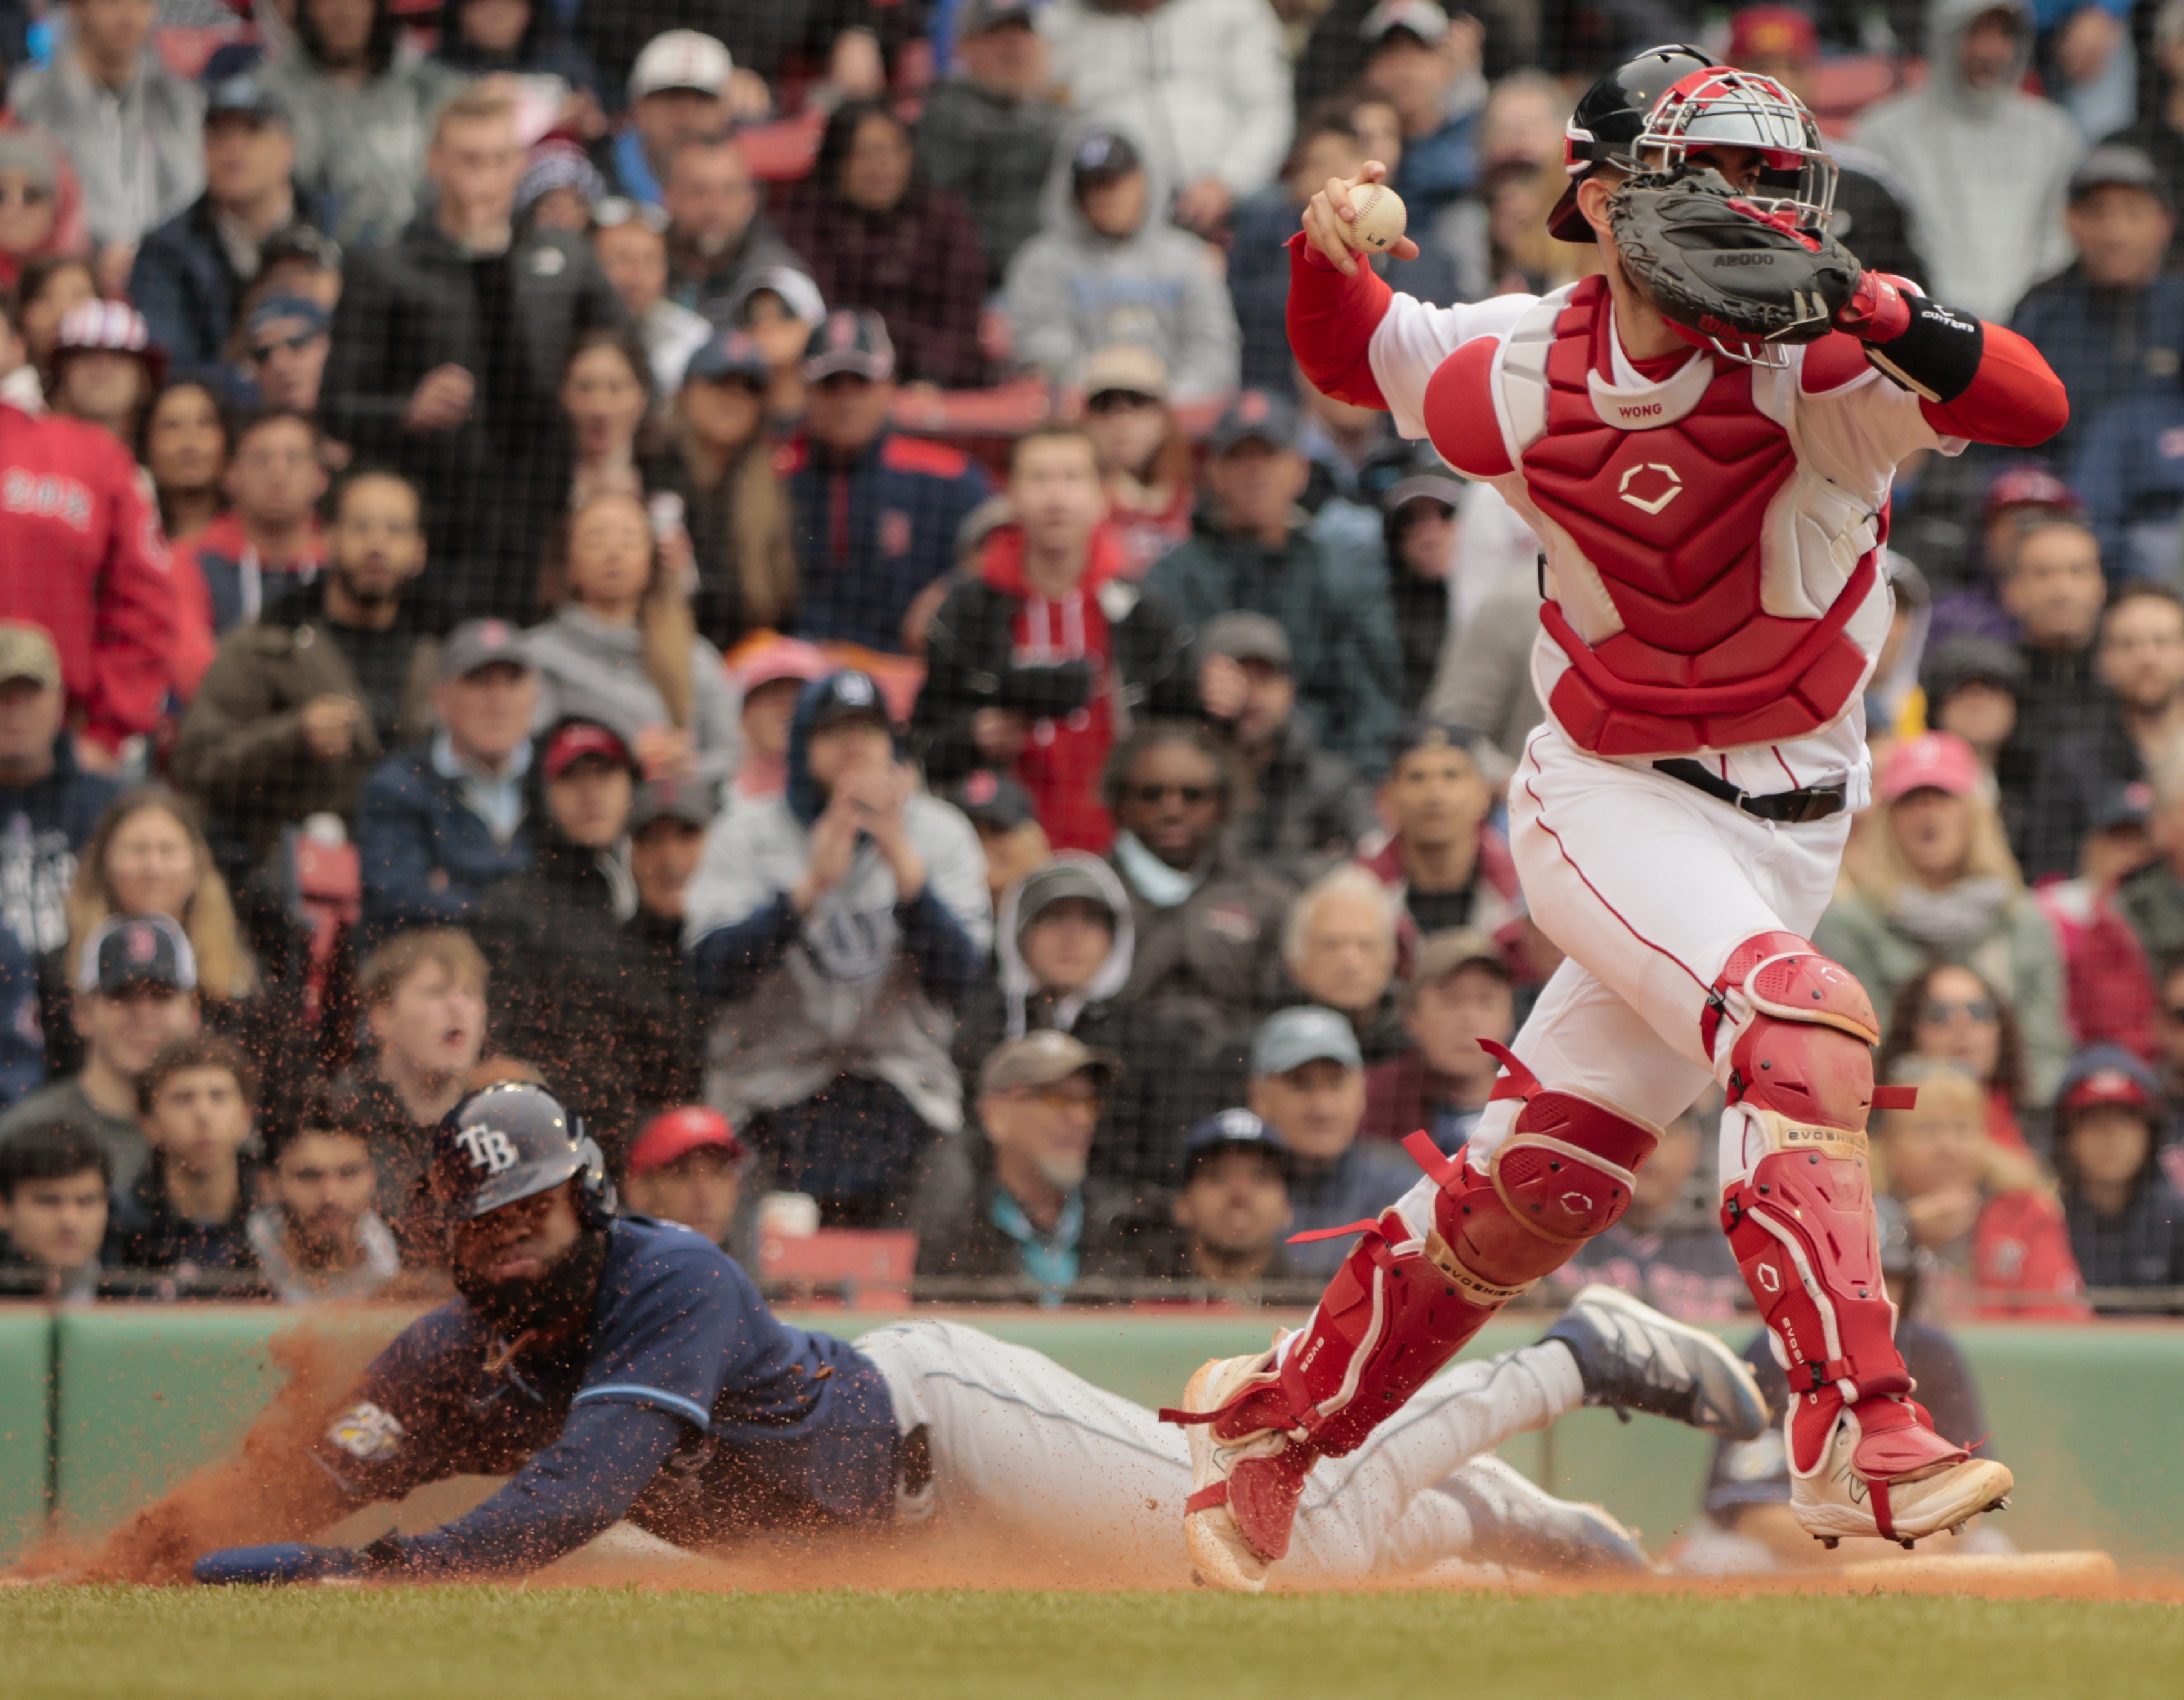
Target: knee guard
(1799,1217)
(1404,1303)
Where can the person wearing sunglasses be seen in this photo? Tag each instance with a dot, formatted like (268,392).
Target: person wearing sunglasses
(1208,922)
(288,343)
(1932,881)
(1948,1014)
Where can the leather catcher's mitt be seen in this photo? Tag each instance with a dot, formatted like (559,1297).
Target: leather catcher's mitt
(1713,263)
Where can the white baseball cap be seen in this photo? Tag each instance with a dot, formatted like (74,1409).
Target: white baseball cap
(680,59)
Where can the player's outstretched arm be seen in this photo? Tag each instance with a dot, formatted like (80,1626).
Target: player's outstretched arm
(1974,379)
(567,1495)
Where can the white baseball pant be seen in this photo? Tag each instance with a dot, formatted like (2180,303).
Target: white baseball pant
(1646,884)
(1016,1439)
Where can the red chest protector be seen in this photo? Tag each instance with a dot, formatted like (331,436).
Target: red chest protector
(1670,518)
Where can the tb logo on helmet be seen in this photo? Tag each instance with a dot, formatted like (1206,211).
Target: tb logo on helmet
(488,1149)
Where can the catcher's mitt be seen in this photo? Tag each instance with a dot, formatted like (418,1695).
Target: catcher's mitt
(1716,264)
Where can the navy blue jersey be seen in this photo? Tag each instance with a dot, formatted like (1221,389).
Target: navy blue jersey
(686,1407)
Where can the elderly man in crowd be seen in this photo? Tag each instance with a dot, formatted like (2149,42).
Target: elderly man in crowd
(1339,944)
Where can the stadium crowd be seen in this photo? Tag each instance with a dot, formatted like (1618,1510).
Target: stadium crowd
(765,563)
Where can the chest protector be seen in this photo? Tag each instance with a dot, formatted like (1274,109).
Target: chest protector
(1714,617)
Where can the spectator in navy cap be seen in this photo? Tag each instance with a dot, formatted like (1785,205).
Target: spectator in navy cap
(1107,268)
(877,512)
(2114,318)
(190,273)
(1253,550)
(136,991)
(2126,1220)
(834,931)
(1307,1083)
(734,506)
(285,340)
(1232,1212)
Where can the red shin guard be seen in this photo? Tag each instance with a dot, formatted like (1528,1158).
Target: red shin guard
(1800,1221)
(1402,1305)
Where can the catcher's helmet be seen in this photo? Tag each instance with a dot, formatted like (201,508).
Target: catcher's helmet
(511,1141)
(1609,118)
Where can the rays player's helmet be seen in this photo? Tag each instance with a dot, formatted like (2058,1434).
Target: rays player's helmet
(1654,111)
(511,1141)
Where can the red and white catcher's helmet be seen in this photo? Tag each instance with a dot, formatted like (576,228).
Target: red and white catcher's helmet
(1727,108)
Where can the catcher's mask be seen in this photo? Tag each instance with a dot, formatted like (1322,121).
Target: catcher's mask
(1726,107)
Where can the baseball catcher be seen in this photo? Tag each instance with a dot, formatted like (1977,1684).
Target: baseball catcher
(1703,438)
(615,1367)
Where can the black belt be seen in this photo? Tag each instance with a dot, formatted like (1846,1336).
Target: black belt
(1812,803)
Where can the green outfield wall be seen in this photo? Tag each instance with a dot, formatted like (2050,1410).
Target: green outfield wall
(102,1409)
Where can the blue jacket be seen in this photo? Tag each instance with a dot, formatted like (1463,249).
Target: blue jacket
(2130,472)
(186,290)
(427,858)
(872,534)
(1441,169)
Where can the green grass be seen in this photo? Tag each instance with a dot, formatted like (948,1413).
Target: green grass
(544,1644)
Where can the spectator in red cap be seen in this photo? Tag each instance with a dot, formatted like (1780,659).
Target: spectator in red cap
(2126,1221)
(571,988)
(688,1167)
(1933,881)
(80,555)
(2016,497)
(1780,42)
(106,368)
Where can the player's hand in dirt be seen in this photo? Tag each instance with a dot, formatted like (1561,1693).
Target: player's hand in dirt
(285,1561)
(1329,213)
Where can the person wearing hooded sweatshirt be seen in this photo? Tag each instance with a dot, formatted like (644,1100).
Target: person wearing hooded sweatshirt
(1034,664)
(1106,270)
(837,928)
(1987,165)
(570,989)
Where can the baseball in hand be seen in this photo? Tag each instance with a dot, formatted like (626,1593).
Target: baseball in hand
(1378,225)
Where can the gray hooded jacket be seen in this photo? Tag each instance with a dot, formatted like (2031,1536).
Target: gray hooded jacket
(1987,169)
(1071,292)
(845,998)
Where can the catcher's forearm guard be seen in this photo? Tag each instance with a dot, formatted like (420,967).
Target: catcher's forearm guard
(1937,354)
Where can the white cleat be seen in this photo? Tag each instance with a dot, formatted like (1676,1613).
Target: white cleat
(1243,1490)
(1838,1500)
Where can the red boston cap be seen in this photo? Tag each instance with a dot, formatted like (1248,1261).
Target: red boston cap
(2107,1086)
(673,1134)
(1933,761)
(580,739)
(1771,32)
